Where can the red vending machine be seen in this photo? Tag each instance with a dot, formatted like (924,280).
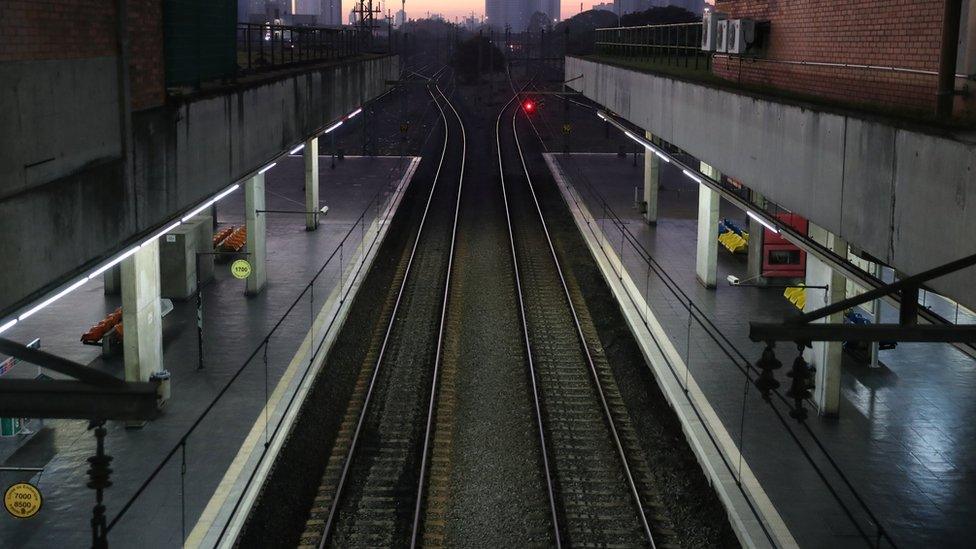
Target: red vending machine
(782,259)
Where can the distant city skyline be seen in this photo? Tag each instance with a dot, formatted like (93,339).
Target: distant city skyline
(451,10)
(462,8)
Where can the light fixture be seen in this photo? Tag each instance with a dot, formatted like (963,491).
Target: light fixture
(762,222)
(202,207)
(661,156)
(7,325)
(266,168)
(692,176)
(354,113)
(114,262)
(332,127)
(119,258)
(159,234)
(54,298)
(296,149)
(229,190)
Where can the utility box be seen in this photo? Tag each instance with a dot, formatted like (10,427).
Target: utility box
(740,33)
(178,260)
(721,36)
(709,30)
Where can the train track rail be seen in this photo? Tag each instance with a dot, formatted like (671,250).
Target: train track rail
(598,482)
(372,491)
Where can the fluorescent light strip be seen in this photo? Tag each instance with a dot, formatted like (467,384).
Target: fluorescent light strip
(202,207)
(54,298)
(229,190)
(354,113)
(114,262)
(687,173)
(296,149)
(266,168)
(120,258)
(332,127)
(160,233)
(762,222)
(8,325)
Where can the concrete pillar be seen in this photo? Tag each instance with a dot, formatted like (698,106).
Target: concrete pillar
(826,356)
(311,155)
(706,257)
(256,233)
(754,258)
(142,329)
(112,280)
(652,180)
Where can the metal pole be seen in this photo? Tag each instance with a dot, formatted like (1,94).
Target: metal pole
(951,13)
(199,314)
(99,472)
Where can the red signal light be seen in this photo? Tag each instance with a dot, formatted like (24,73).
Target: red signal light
(529,106)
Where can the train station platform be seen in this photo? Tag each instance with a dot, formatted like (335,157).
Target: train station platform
(899,454)
(228,409)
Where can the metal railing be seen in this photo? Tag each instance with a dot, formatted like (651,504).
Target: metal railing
(264,45)
(677,45)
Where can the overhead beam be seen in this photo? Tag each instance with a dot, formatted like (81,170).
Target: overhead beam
(908,286)
(68,399)
(59,364)
(929,333)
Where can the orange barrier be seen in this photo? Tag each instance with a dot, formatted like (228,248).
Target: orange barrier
(95,334)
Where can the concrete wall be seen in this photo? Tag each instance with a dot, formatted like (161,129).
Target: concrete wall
(57,117)
(903,195)
(182,153)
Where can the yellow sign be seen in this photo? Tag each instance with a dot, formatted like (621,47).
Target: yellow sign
(22,500)
(240,269)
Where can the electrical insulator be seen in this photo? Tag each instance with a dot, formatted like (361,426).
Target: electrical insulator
(801,386)
(766,364)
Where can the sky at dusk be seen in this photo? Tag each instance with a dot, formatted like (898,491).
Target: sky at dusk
(462,8)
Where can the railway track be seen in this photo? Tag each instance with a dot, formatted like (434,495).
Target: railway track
(598,481)
(372,492)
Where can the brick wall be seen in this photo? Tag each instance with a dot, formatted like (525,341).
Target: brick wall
(42,30)
(146,69)
(899,33)
(56,29)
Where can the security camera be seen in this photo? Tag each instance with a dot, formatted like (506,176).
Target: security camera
(733,280)
(324,210)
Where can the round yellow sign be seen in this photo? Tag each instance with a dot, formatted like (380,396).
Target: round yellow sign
(22,500)
(240,269)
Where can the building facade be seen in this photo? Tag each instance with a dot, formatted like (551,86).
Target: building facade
(515,14)
(866,51)
(330,12)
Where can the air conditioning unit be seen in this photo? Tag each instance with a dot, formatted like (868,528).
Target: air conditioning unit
(721,36)
(741,33)
(709,29)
